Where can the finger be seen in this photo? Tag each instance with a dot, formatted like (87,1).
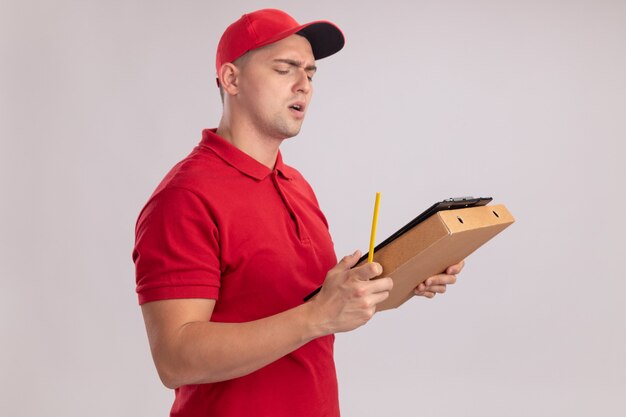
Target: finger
(455,269)
(438,289)
(349,261)
(379,297)
(367,271)
(441,279)
(379,285)
(427,294)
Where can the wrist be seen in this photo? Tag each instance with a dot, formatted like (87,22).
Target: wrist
(315,323)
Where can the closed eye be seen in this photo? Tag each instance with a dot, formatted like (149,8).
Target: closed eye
(285,72)
(309,69)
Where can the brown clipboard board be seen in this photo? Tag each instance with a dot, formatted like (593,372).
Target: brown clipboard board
(443,239)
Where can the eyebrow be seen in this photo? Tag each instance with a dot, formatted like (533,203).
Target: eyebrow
(295,63)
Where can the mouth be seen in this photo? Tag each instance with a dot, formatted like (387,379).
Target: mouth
(298,107)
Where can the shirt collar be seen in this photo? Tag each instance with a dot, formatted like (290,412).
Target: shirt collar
(240,160)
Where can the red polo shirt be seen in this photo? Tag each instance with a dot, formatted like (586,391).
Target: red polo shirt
(223,226)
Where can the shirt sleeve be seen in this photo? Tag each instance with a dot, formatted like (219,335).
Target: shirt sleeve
(176,250)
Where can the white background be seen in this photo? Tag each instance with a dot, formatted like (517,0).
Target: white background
(524,101)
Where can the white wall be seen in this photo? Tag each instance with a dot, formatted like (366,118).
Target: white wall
(522,101)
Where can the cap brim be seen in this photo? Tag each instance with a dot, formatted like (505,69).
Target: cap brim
(325,38)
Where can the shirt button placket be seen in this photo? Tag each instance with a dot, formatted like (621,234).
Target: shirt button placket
(288,206)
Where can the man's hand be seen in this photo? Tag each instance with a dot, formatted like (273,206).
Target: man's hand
(348,298)
(437,284)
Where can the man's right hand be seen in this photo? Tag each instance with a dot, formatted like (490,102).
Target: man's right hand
(348,298)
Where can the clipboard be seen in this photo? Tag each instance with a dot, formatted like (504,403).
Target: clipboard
(448,204)
(443,235)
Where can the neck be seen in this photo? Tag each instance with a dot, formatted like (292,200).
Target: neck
(250,141)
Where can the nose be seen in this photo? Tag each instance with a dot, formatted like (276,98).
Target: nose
(303,84)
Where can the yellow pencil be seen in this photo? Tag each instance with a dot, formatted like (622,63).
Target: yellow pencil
(370,256)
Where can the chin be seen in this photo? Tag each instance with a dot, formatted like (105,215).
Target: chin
(290,133)
(284,128)
(293,134)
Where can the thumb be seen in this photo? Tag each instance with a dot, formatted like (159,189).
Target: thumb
(349,261)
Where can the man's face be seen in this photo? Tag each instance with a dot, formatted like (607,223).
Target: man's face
(275,86)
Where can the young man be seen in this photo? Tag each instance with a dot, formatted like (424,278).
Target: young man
(233,239)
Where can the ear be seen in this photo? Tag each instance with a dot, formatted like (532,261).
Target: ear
(228,78)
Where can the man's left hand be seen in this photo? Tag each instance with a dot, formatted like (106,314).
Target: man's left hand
(437,284)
